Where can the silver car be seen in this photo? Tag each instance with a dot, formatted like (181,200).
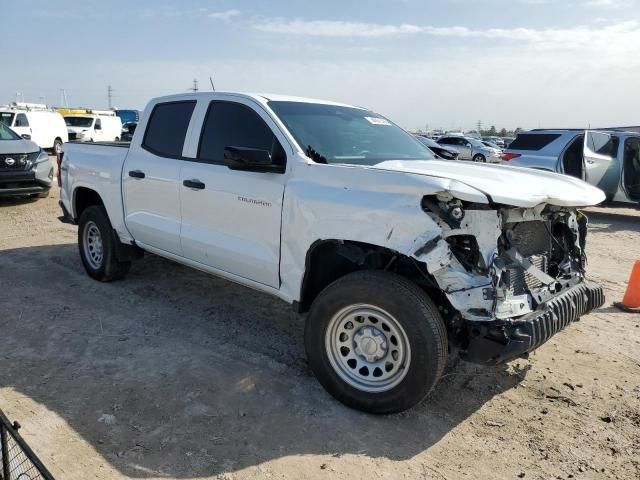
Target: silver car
(472,149)
(610,160)
(25,169)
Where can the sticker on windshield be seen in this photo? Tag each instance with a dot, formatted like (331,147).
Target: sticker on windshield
(377,121)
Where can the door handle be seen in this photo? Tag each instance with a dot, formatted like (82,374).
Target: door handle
(197,184)
(136,174)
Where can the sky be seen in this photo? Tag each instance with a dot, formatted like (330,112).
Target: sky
(442,64)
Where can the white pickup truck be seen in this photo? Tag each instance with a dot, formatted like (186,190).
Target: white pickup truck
(399,259)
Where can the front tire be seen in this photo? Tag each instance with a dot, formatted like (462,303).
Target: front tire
(376,341)
(479,158)
(96,242)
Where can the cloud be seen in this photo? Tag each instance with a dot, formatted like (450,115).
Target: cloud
(624,35)
(226,15)
(326,28)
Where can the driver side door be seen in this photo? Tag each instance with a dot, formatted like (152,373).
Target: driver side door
(231,219)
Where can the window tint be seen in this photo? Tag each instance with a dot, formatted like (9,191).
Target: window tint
(231,124)
(602,144)
(167,128)
(21,120)
(447,141)
(98,124)
(532,141)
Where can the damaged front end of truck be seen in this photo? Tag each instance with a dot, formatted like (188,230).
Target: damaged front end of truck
(516,276)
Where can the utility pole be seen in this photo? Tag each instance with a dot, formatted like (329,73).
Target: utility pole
(195,85)
(479,127)
(110,96)
(63,97)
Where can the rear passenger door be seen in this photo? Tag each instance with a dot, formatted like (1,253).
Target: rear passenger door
(231,219)
(151,177)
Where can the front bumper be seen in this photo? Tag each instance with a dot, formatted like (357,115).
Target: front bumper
(14,184)
(499,341)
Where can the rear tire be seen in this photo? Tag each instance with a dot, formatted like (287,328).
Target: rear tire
(479,158)
(376,341)
(97,245)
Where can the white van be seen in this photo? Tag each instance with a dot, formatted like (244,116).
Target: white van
(36,122)
(94,126)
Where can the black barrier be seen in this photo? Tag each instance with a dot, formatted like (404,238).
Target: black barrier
(17,459)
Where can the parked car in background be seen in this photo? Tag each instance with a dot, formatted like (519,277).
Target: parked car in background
(25,168)
(471,149)
(36,122)
(339,212)
(128,116)
(495,140)
(441,151)
(507,141)
(128,129)
(609,160)
(490,144)
(94,126)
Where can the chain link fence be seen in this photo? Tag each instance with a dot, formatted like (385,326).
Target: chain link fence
(16,458)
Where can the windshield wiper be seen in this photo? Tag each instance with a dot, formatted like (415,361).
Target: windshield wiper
(315,156)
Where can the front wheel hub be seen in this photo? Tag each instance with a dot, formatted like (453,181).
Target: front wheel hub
(368,348)
(370,344)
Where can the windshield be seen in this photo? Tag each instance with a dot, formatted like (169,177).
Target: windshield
(334,134)
(78,121)
(7,134)
(6,118)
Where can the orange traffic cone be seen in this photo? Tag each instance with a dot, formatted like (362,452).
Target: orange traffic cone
(631,300)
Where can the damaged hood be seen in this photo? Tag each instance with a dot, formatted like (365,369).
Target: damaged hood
(519,187)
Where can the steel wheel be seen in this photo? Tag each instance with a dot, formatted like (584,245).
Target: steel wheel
(367,348)
(92,245)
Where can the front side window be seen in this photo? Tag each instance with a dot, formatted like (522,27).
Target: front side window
(21,120)
(603,144)
(98,125)
(167,128)
(230,124)
(347,135)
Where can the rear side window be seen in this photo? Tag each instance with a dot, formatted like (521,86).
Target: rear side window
(230,124)
(21,120)
(167,128)
(532,141)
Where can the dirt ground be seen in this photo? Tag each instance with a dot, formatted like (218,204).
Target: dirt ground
(175,374)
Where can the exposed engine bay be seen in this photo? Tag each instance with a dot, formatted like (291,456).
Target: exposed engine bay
(499,263)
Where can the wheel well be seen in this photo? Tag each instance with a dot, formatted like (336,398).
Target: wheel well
(83,198)
(329,260)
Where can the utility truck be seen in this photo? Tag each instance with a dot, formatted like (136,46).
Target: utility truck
(397,260)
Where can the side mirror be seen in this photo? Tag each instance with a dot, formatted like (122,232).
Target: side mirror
(250,160)
(26,136)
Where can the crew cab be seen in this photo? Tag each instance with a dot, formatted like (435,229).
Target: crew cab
(397,259)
